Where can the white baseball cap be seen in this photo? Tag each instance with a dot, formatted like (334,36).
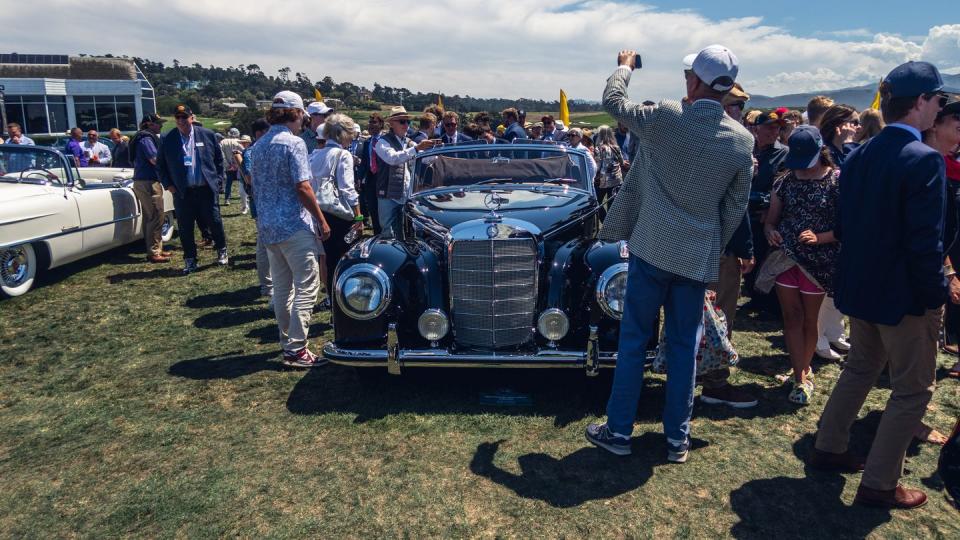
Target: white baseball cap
(318,107)
(287,100)
(233,132)
(715,65)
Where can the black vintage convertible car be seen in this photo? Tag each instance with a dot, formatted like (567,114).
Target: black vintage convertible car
(498,265)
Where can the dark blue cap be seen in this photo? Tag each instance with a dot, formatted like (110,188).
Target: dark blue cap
(805,143)
(914,79)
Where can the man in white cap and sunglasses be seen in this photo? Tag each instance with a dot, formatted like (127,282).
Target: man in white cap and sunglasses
(290,224)
(680,204)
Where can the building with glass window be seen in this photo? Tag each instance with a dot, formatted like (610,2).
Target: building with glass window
(48,94)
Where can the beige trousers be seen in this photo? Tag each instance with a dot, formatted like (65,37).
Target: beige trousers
(150,195)
(910,351)
(296,280)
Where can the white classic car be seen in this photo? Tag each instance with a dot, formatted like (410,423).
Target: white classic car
(52,213)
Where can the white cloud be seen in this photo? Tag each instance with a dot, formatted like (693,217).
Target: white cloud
(502,48)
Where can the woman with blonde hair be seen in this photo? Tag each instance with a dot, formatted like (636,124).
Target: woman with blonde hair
(334,164)
(871,123)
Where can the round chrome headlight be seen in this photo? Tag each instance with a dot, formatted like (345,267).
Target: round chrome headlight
(612,290)
(363,291)
(433,324)
(553,324)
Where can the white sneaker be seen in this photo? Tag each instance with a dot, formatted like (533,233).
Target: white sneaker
(841,344)
(828,354)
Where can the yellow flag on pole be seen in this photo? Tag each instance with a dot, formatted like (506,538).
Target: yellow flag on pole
(876,98)
(564,110)
(440,100)
(316,94)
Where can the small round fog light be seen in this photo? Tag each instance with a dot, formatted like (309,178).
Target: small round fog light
(433,324)
(553,324)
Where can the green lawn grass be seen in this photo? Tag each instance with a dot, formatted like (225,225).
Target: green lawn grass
(135,402)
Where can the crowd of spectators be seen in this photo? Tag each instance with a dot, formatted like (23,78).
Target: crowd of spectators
(816,215)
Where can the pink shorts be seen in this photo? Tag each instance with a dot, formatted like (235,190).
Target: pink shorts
(794,278)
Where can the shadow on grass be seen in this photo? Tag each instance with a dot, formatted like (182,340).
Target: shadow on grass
(163,272)
(586,475)
(232,365)
(370,394)
(268,334)
(232,317)
(808,507)
(238,298)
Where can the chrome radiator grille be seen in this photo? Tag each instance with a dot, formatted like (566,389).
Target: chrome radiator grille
(493,289)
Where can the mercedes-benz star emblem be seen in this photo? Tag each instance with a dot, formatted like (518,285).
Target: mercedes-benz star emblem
(492,231)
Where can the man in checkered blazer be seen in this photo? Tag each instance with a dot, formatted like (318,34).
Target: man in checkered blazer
(681,202)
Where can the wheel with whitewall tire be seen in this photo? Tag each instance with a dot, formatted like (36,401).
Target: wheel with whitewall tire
(18,269)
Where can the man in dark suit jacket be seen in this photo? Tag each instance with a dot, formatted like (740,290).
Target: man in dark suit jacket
(514,129)
(190,166)
(890,281)
(368,172)
(451,121)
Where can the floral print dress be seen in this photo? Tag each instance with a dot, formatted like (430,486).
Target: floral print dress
(810,204)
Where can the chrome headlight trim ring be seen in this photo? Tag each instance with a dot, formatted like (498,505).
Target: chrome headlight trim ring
(605,278)
(383,281)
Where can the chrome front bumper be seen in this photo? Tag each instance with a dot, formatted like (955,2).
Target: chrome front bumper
(395,359)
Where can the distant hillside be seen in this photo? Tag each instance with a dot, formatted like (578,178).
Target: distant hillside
(860,96)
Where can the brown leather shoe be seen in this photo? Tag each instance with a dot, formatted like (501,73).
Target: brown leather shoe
(901,497)
(828,461)
(158,259)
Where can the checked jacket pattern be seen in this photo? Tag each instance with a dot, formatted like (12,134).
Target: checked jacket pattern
(688,185)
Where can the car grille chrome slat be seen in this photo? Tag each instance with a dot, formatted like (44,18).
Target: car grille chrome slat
(493,286)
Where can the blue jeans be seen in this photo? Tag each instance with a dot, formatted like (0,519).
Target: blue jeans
(648,288)
(390,213)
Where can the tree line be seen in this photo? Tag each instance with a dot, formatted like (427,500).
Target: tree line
(203,89)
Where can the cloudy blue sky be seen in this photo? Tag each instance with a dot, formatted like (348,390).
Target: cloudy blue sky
(502,48)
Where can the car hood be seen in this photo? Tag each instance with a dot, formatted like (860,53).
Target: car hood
(546,208)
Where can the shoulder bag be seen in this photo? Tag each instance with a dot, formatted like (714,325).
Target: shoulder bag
(329,198)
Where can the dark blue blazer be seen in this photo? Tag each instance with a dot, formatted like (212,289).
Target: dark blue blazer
(890,224)
(515,131)
(445,139)
(170,166)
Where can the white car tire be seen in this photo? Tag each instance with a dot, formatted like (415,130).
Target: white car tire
(168,226)
(18,269)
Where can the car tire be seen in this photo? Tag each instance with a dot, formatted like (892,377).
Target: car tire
(168,227)
(18,269)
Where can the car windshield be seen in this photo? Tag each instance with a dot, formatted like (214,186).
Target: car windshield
(475,165)
(30,164)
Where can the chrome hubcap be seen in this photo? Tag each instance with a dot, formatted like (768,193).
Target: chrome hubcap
(13,266)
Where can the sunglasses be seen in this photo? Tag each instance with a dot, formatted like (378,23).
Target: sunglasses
(942,98)
(739,104)
(853,122)
(403,122)
(448,124)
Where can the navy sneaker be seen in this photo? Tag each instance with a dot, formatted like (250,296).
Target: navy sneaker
(677,453)
(600,435)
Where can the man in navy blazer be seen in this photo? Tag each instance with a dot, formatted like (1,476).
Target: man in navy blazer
(514,130)
(190,166)
(451,122)
(890,281)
